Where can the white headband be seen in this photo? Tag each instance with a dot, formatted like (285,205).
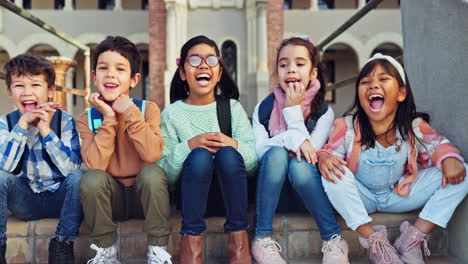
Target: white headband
(394,62)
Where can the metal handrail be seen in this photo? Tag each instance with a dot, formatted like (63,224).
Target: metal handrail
(351,21)
(83,48)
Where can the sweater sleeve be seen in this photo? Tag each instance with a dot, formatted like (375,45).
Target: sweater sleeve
(175,151)
(336,141)
(97,149)
(432,148)
(144,131)
(242,132)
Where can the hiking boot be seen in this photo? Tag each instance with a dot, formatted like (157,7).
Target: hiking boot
(104,255)
(61,252)
(238,245)
(335,251)
(380,250)
(267,251)
(191,249)
(409,244)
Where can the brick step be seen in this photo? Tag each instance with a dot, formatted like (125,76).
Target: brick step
(297,234)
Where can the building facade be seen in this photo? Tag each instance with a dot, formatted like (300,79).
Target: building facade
(247,32)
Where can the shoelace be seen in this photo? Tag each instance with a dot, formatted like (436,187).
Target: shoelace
(101,256)
(380,245)
(417,239)
(272,246)
(333,245)
(159,255)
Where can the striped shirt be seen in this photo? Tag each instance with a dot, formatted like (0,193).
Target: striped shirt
(47,161)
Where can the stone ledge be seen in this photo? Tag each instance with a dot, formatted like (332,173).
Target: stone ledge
(298,235)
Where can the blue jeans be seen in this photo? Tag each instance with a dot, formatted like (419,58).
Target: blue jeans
(198,170)
(64,203)
(305,179)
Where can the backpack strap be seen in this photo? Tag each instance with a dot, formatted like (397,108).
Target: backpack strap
(223,111)
(95,117)
(264,111)
(55,125)
(349,136)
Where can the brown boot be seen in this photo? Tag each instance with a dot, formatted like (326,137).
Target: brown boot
(191,249)
(238,244)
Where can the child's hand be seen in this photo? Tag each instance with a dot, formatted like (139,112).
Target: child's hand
(122,103)
(294,93)
(453,171)
(308,151)
(211,141)
(100,105)
(327,163)
(26,119)
(45,113)
(228,141)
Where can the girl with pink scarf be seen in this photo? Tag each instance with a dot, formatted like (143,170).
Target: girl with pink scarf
(289,126)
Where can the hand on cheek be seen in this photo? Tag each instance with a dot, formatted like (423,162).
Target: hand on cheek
(122,103)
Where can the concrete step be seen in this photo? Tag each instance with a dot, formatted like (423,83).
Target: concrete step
(297,234)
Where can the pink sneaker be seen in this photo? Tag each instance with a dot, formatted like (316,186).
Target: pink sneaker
(380,250)
(409,244)
(335,251)
(267,251)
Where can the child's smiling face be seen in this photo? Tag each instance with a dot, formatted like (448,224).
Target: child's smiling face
(380,94)
(112,75)
(27,91)
(295,66)
(202,79)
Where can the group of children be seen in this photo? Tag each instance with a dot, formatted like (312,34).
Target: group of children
(381,156)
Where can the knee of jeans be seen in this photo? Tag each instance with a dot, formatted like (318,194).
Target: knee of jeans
(73,179)
(92,180)
(151,176)
(5,177)
(276,155)
(198,164)
(302,173)
(227,157)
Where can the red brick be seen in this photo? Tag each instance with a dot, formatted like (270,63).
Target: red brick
(157,50)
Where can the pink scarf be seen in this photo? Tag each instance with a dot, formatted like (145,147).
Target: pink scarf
(277,124)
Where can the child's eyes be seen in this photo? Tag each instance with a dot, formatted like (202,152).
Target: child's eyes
(102,68)
(121,69)
(300,64)
(283,65)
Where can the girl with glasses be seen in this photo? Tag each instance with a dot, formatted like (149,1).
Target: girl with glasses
(199,155)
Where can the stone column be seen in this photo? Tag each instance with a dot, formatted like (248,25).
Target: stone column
(157,50)
(361,3)
(68,5)
(262,36)
(19,3)
(61,66)
(117,5)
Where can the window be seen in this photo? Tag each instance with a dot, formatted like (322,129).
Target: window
(106,4)
(287,4)
(60,4)
(330,96)
(27,4)
(229,55)
(144,4)
(326,4)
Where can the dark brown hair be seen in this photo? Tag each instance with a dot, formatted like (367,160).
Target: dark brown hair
(121,45)
(314,56)
(29,64)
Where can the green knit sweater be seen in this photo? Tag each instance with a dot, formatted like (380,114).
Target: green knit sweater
(181,122)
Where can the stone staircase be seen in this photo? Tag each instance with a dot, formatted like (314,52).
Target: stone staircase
(297,233)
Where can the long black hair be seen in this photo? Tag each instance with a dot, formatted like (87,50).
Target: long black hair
(314,56)
(405,114)
(226,88)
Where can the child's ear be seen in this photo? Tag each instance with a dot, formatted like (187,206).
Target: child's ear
(51,91)
(182,73)
(9,91)
(402,92)
(93,76)
(134,80)
(313,73)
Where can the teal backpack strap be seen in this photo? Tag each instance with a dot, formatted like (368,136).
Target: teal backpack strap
(95,117)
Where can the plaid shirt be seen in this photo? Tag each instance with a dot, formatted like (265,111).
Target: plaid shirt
(42,172)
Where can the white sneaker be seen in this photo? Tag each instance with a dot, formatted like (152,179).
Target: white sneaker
(267,251)
(335,251)
(104,255)
(158,255)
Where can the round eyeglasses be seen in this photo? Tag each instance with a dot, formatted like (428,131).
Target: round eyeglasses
(196,60)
